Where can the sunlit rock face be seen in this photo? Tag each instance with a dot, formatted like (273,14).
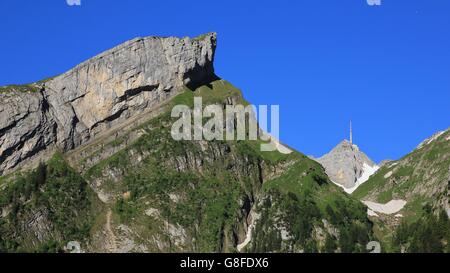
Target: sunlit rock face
(106,90)
(345,164)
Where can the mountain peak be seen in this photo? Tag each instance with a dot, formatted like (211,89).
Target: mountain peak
(346,144)
(73,108)
(347,165)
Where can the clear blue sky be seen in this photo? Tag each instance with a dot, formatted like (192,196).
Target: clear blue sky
(323,61)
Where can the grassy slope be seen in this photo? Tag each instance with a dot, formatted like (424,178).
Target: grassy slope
(211,202)
(420,178)
(19,88)
(204,189)
(57,198)
(302,199)
(29,87)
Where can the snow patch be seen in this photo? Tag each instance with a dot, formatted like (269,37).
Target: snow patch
(392,207)
(280,147)
(431,139)
(274,144)
(388,174)
(339,185)
(368,171)
(371,213)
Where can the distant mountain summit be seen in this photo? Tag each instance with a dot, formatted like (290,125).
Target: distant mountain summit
(348,166)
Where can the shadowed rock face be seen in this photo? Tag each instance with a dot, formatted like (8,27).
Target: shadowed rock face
(106,90)
(345,164)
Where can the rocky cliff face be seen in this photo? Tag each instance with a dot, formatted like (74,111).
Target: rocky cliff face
(123,184)
(347,166)
(156,194)
(70,109)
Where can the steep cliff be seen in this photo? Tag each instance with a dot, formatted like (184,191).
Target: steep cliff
(64,112)
(121,183)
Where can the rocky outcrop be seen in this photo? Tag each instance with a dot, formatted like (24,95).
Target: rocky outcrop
(346,164)
(26,127)
(71,109)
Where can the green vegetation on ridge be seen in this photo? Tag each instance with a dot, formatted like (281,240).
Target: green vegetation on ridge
(421,178)
(59,201)
(192,195)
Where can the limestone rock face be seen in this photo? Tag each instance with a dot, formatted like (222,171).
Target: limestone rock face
(72,108)
(26,127)
(345,164)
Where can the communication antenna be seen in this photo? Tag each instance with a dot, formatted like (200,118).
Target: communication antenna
(351,133)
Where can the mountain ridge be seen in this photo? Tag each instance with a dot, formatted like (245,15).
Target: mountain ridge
(136,189)
(109,176)
(415,191)
(63,112)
